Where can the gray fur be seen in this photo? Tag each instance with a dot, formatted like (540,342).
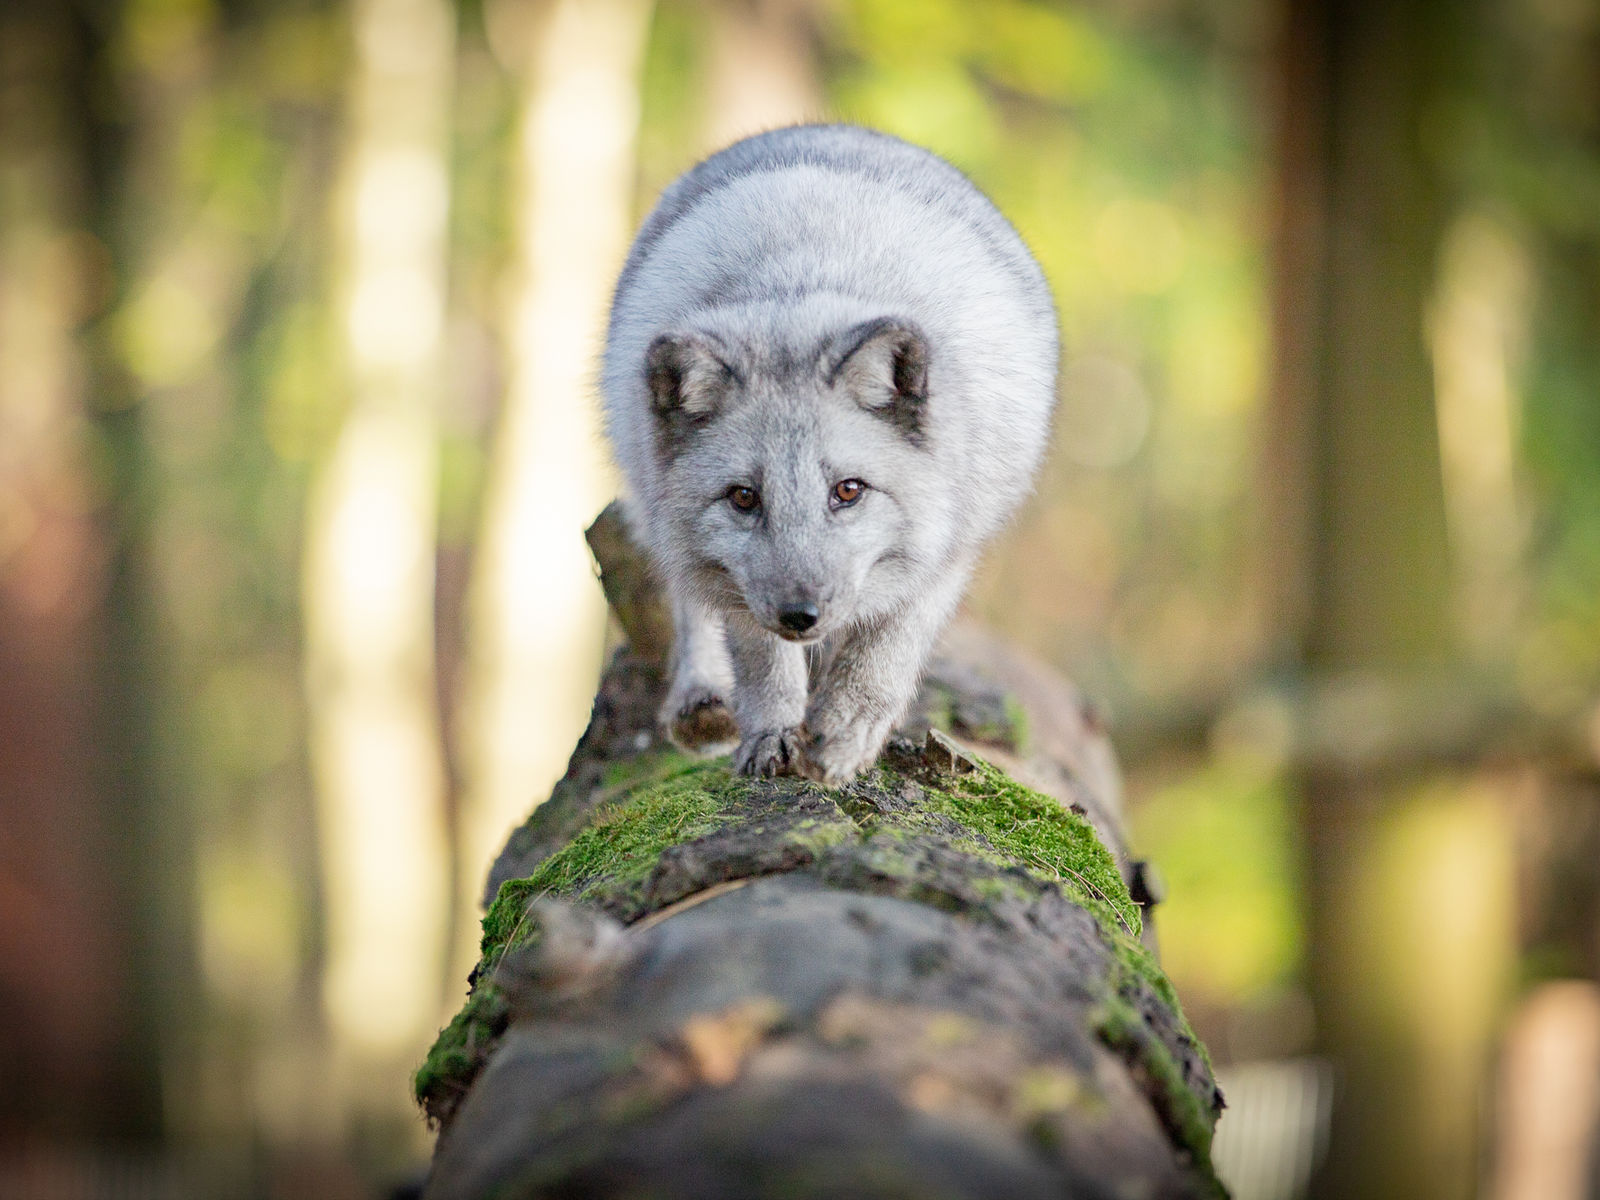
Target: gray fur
(810,306)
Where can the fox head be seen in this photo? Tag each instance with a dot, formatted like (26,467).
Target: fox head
(796,484)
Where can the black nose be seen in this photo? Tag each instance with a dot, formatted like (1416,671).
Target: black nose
(797,618)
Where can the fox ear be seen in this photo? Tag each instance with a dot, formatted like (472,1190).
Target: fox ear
(688,381)
(884,365)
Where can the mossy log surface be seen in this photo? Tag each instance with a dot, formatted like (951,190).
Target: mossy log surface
(929,983)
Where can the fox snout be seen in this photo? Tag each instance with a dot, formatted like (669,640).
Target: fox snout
(798,618)
(799,615)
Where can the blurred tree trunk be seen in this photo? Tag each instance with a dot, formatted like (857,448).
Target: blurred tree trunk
(537,618)
(77,1037)
(1547,1102)
(369,573)
(1354,484)
(213,212)
(1408,878)
(762,70)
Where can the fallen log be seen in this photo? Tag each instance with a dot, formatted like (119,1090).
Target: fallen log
(931,982)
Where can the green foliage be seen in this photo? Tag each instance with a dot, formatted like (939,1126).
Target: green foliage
(1225,840)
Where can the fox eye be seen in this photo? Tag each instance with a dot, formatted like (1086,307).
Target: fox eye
(744,499)
(845,493)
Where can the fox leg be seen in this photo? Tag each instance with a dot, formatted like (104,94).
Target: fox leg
(695,713)
(769,698)
(869,680)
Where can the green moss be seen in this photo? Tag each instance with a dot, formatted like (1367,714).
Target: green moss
(662,799)
(997,888)
(881,839)
(662,763)
(1189,1122)
(815,835)
(460,1051)
(919,824)
(1121,1027)
(994,818)
(1045,838)
(985,814)
(678,800)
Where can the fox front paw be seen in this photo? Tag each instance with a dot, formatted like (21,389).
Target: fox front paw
(700,722)
(837,757)
(775,752)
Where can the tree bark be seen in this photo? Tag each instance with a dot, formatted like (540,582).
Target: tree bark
(929,982)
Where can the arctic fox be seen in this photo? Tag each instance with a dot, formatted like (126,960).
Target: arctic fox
(828,378)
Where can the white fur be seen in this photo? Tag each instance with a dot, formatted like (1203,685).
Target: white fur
(770,253)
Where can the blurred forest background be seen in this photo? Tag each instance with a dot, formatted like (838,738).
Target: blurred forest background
(299,303)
